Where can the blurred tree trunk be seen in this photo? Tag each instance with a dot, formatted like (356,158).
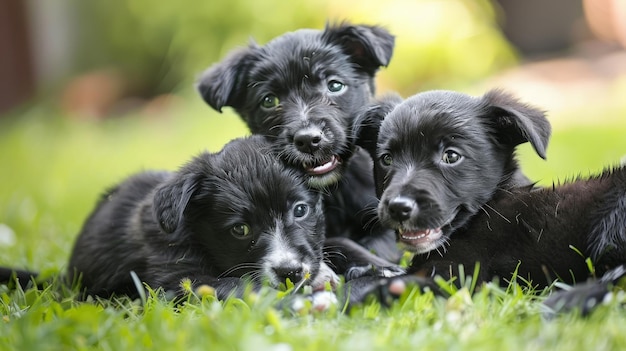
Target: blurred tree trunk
(539,27)
(16,68)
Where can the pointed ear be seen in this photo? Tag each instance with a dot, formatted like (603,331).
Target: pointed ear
(224,83)
(516,122)
(171,199)
(367,124)
(369,46)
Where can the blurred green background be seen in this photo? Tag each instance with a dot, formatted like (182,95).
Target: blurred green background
(111,90)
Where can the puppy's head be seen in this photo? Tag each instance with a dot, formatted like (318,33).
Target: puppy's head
(244,213)
(302,90)
(440,156)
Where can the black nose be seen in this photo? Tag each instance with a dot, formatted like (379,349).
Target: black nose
(308,139)
(293,272)
(400,208)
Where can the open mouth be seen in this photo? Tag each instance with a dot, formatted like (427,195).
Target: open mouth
(421,240)
(323,167)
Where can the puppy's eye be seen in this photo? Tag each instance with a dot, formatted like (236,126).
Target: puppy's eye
(450,157)
(270,101)
(240,230)
(300,210)
(386,159)
(335,86)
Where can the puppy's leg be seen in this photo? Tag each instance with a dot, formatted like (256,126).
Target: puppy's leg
(587,296)
(383,242)
(607,240)
(353,260)
(386,290)
(21,277)
(325,275)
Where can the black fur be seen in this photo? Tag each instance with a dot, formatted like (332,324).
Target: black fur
(418,190)
(223,220)
(20,277)
(302,90)
(214,221)
(481,208)
(546,234)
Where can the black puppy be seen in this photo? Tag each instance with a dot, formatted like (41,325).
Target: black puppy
(223,220)
(450,186)
(302,90)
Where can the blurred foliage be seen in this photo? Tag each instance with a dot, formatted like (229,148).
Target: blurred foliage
(163,46)
(160,45)
(445,44)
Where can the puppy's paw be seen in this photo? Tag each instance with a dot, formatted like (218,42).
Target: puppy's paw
(323,300)
(588,296)
(324,276)
(373,271)
(318,301)
(386,290)
(583,297)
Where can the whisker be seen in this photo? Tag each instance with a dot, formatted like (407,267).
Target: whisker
(482,208)
(328,254)
(498,213)
(246,265)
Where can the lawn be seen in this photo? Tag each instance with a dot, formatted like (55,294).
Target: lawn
(54,168)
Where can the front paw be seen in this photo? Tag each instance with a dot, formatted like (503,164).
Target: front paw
(385,290)
(318,301)
(583,297)
(373,271)
(586,297)
(325,276)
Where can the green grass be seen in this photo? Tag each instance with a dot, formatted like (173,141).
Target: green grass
(54,168)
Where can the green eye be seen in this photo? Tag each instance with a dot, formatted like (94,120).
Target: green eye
(450,157)
(300,210)
(386,159)
(270,101)
(240,230)
(335,86)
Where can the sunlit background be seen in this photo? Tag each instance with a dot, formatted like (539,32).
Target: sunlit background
(92,91)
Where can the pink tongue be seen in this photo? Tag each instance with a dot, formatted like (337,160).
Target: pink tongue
(325,168)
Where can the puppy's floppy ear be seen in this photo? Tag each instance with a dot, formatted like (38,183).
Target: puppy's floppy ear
(224,83)
(367,124)
(171,199)
(369,46)
(517,122)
